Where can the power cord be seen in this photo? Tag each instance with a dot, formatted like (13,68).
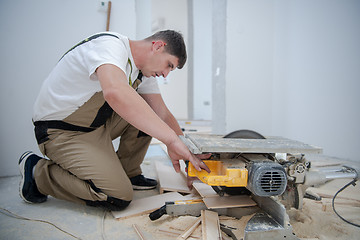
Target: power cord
(103,225)
(353,182)
(13,215)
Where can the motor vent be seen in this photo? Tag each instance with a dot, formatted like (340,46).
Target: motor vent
(272,181)
(267,178)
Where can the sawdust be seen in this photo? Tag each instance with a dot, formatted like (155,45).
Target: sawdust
(317,218)
(315,221)
(167,227)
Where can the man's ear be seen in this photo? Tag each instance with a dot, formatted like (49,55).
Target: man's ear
(157,45)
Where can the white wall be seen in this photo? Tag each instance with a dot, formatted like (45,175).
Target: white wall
(143,18)
(34,35)
(202,56)
(323,56)
(249,65)
(172,14)
(293,71)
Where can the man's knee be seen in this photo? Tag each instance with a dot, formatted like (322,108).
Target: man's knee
(111,203)
(116,200)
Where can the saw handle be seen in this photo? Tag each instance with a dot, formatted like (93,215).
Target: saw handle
(157,213)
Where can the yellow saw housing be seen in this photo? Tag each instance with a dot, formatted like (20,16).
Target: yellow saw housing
(222,173)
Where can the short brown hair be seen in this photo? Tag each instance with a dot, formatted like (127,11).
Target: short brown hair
(175,44)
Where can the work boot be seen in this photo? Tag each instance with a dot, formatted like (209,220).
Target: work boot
(28,189)
(140,182)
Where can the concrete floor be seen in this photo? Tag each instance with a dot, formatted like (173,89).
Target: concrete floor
(82,222)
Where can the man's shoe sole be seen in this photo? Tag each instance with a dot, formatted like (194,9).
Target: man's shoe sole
(36,196)
(22,172)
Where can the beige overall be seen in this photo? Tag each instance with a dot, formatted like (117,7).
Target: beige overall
(83,166)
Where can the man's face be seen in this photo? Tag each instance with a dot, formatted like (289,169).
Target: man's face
(160,63)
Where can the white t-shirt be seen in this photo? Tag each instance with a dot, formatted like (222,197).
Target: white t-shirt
(73,81)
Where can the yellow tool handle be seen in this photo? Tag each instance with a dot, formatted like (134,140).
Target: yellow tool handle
(220,175)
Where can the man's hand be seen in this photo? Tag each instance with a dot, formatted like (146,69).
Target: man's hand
(190,180)
(177,150)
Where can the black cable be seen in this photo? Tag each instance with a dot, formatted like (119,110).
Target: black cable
(353,182)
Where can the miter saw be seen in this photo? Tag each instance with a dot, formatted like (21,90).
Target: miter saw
(273,170)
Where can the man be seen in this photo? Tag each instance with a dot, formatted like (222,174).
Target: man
(94,95)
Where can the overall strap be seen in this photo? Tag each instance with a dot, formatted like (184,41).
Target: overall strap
(89,39)
(138,79)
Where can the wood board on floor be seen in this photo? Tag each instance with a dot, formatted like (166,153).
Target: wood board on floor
(212,200)
(169,179)
(210,225)
(146,205)
(204,190)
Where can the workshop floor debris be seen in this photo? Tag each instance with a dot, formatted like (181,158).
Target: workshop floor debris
(316,221)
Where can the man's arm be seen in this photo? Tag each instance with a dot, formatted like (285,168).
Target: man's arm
(157,103)
(124,100)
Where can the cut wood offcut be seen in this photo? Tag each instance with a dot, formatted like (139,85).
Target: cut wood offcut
(210,225)
(188,231)
(169,180)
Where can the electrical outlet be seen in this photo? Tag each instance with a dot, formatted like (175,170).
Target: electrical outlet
(103,6)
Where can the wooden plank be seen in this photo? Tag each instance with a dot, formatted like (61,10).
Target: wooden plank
(169,180)
(182,170)
(138,232)
(228,201)
(147,205)
(188,231)
(210,225)
(205,191)
(215,143)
